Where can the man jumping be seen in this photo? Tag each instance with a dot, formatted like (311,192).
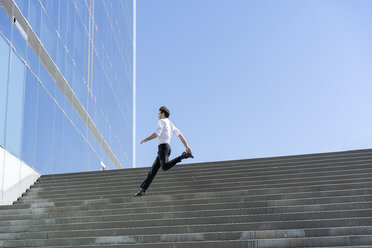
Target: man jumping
(164,131)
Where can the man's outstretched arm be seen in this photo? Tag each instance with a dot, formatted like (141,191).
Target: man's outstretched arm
(185,143)
(153,136)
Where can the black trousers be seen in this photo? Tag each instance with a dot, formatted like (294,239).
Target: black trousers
(161,160)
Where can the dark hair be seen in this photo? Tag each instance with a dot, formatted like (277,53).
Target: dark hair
(164,110)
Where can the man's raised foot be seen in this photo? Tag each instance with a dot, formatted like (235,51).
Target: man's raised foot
(187,155)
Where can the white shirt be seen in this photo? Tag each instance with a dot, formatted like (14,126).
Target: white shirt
(165,130)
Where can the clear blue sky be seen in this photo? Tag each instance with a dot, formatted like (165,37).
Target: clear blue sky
(246,79)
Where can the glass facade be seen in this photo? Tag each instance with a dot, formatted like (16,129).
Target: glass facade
(91,43)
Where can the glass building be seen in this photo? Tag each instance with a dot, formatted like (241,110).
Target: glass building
(67,88)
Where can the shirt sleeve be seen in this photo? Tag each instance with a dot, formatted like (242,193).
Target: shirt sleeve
(160,127)
(175,130)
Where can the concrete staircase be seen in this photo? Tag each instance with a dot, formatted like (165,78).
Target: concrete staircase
(317,200)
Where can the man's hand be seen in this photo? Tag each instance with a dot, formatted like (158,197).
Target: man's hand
(185,143)
(153,136)
(188,150)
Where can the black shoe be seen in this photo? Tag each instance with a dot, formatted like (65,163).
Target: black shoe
(187,155)
(140,192)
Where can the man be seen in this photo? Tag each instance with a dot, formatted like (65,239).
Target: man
(164,131)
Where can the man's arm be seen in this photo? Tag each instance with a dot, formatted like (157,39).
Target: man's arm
(156,134)
(153,136)
(185,143)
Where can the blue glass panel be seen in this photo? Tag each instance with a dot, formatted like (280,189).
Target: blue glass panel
(60,98)
(62,22)
(109,163)
(29,119)
(84,158)
(44,142)
(5,24)
(58,164)
(35,16)
(51,8)
(73,149)
(97,81)
(76,151)
(4,71)
(73,115)
(48,36)
(80,89)
(66,143)
(19,42)
(47,80)
(70,27)
(93,161)
(69,70)
(99,153)
(67,107)
(83,12)
(15,105)
(32,61)
(80,45)
(85,71)
(23,6)
(61,56)
(43,2)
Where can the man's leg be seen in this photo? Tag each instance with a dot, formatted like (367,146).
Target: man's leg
(171,163)
(163,158)
(152,173)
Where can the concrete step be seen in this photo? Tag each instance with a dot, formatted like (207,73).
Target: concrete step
(324,216)
(352,246)
(219,244)
(115,190)
(197,188)
(202,168)
(158,190)
(122,214)
(195,240)
(197,228)
(231,235)
(277,206)
(243,203)
(217,170)
(316,200)
(271,195)
(354,155)
(180,178)
(192,237)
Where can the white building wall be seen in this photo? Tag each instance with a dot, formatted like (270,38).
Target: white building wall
(16,177)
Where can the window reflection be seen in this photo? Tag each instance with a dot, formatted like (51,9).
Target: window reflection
(48,36)
(32,61)
(62,21)
(70,27)
(4,69)
(19,42)
(15,105)
(29,119)
(61,56)
(80,46)
(47,80)
(49,136)
(51,8)
(23,6)
(5,24)
(44,140)
(59,132)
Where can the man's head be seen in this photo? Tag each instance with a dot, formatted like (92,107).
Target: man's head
(163,112)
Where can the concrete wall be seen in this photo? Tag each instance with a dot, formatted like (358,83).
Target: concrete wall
(15,177)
